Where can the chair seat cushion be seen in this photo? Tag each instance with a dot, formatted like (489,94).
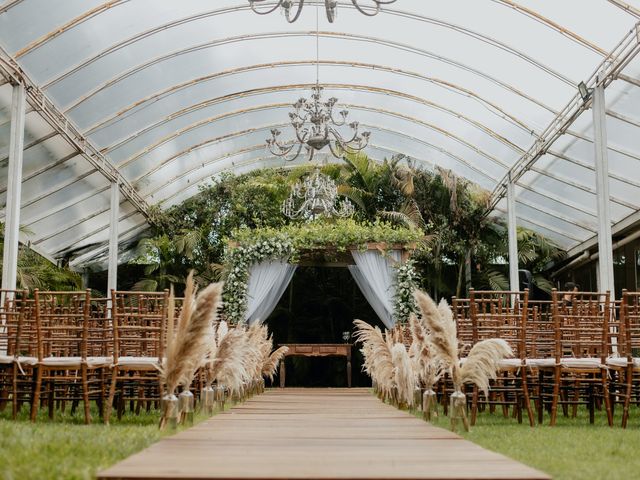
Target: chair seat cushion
(70,362)
(76,362)
(510,363)
(541,362)
(139,363)
(581,362)
(5,359)
(622,362)
(9,359)
(100,361)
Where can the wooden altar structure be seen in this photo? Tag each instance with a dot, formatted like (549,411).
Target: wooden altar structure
(317,350)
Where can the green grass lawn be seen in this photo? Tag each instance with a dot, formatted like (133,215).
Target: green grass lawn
(573,449)
(68,449)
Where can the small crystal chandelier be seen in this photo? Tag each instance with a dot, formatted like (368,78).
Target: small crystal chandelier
(316,127)
(293,8)
(319,196)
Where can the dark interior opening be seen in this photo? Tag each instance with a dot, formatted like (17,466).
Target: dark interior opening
(319,306)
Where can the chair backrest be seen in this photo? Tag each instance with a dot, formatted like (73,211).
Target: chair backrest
(139,323)
(500,314)
(581,323)
(100,332)
(541,337)
(629,339)
(62,323)
(14,327)
(462,315)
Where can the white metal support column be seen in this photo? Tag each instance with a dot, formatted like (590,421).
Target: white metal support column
(514,279)
(14,189)
(112,279)
(605,248)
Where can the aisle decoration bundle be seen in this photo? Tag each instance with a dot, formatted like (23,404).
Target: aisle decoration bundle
(233,361)
(401,375)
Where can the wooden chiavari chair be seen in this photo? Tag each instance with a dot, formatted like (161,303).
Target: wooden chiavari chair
(626,359)
(581,328)
(540,352)
(503,314)
(63,326)
(18,348)
(139,323)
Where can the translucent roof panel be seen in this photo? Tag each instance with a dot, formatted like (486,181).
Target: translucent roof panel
(173,93)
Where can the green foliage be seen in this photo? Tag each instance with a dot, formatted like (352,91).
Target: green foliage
(448,212)
(35,271)
(339,234)
(291,241)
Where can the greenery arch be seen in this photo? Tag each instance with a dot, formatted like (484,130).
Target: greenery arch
(331,237)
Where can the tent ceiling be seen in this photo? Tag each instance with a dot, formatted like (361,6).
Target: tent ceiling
(172,93)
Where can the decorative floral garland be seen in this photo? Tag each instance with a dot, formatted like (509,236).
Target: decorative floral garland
(406,282)
(258,245)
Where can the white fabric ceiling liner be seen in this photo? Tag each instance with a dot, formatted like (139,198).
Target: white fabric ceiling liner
(174,93)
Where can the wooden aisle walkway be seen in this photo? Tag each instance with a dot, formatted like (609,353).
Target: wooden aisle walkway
(317,434)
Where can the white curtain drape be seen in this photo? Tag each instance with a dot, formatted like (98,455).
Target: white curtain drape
(375,276)
(267,282)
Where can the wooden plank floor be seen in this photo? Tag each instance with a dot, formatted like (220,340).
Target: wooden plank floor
(317,434)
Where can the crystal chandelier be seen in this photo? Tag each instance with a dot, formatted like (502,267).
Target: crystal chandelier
(293,8)
(316,127)
(316,197)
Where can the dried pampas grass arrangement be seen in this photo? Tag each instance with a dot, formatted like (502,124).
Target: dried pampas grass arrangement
(188,341)
(479,367)
(270,366)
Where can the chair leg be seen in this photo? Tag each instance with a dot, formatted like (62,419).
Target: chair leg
(607,400)
(85,394)
(627,397)
(555,395)
(35,405)
(14,406)
(474,405)
(525,394)
(112,393)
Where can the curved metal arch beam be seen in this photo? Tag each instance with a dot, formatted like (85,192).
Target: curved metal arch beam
(246,150)
(256,148)
(554,26)
(90,253)
(410,119)
(580,163)
(589,228)
(304,86)
(32,144)
(232,135)
(102,228)
(413,120)
(44,169)
(367,89)
(57,208)
(427,125)
(346,36)
(68,26)
(79,221)
(388,11)
(143,222)
(540,224)
(454,157)
(558,199)
(626,7)
(367,66)
(9,4)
